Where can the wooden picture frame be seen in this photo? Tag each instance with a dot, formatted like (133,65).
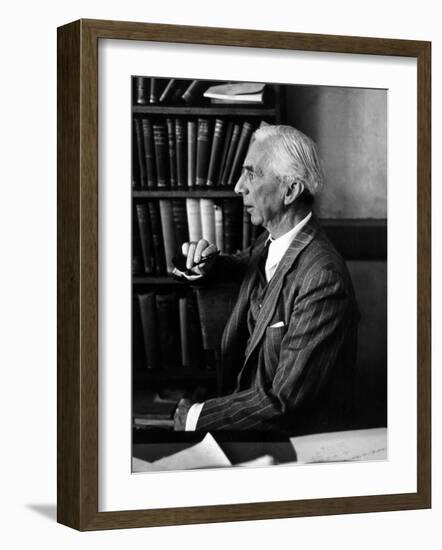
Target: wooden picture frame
(77,461)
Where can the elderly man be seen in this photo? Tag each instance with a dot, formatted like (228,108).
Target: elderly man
(290,342)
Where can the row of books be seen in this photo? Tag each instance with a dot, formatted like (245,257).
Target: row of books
(161,226)
(180,153)
(171,331)
(165,91)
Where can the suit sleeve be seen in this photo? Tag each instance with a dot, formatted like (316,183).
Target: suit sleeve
(307,353)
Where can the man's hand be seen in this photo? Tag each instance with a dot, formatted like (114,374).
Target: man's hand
(196,252)
(180,416)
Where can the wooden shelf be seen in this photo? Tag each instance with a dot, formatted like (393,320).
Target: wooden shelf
(216,110)
(215,193)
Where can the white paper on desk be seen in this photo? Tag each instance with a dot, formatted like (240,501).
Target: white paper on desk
(341,446)
(259,462)
(205,454)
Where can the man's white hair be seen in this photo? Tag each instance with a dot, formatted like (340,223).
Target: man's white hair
(292,155)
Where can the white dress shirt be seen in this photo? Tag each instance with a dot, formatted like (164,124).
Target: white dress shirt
(277,248)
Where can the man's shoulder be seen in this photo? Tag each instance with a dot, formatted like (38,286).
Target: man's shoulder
(318,257)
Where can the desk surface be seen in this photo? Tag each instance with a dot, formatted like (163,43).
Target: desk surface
(239,447)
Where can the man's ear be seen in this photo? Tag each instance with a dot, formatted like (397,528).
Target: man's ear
(294,188)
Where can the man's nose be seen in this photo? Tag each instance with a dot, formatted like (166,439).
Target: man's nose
(240,187)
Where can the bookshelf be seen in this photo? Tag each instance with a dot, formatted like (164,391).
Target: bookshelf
(160,188)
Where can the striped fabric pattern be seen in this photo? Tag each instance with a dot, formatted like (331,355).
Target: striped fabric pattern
(296,377)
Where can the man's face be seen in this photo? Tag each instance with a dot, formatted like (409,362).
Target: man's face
(262,191)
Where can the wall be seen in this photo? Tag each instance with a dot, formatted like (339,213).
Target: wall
(28,275)
(349,126)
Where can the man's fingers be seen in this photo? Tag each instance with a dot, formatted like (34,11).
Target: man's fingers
(211,249)
(185,248)
(190,255)
(202,245)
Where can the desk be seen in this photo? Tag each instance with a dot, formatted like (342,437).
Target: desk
(239,447)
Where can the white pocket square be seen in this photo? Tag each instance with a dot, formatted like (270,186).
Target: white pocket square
(278,324)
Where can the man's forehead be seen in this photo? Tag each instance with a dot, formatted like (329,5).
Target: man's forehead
(256,154)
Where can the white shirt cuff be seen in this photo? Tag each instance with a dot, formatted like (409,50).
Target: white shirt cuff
(192,416)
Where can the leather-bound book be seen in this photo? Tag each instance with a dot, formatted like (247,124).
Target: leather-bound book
(231,153)
(140,152)
(207,207)
(144,228)
(219,235)
(215,153)
(149,152)
(232,225)
(240,153)
(154,90)
(181,152)
(157,237)
(137,253)
(191,153)
(168,91)
(168,229)
(194,92)
(180,221)
(172,151)
(161,153)
(141,85)
(227,138)
(202,152)
(194,219)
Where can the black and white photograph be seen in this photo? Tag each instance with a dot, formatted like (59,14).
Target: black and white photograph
(259,274)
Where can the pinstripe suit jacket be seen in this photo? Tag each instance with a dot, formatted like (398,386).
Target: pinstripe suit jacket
(297,377)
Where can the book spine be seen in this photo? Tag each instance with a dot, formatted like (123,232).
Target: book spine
(191,153)
(180,221)
(157,237)
(232,225)
(169,330)
(172,152)
(145,237)
(167,227)
(227,138)
(140,152)
(193,92)
(215,154)
(149,325)
(202,152)
(184,332)
(141,90)
(194,219)
(180,140)
(231,153)
(137,252)
(168,91)
(154,85)
(219,227)
(149,152)
(208,220)
(161,153)
(240,153)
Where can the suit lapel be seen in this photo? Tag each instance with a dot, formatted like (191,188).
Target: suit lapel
(301,240)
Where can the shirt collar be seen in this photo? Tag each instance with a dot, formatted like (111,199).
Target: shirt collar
(278,247)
